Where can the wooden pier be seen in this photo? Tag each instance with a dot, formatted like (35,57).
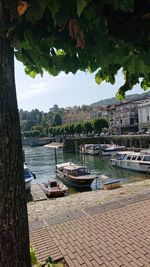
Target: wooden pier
(37,193)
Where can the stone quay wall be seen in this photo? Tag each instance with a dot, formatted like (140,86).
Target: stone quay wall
(130,141)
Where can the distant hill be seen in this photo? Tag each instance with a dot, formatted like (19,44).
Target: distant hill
(113,100)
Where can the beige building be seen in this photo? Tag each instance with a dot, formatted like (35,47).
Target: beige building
(144,115)
(126,117)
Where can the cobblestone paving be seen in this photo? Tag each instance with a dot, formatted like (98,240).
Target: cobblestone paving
(112,234)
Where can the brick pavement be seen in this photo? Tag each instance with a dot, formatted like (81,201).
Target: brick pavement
(115,234)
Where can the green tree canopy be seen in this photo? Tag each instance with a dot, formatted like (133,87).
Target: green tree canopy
(57,120)
(36,133)
(101,36)
(87,127)
(78,127)
(99,124)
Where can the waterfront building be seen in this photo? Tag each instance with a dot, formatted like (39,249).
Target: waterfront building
(99,112)
(144,115)
(54,109)
(111,118)
(126,117)
(74,115)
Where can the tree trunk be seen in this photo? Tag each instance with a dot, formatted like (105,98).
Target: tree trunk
(14,236)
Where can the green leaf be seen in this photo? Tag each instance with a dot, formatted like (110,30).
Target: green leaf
(33,256)
(31,73)
(35,11)
(81,4)
(60,52)
(145,84)
(98,78)
(54,6)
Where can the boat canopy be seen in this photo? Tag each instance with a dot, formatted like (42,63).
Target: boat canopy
(65,164)
(74,167)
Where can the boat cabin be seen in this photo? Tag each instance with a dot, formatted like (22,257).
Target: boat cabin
(76,170)
(131,156)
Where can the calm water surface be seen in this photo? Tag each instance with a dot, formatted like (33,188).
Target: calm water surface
(41,161)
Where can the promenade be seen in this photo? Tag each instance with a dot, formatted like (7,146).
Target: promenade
(109,228)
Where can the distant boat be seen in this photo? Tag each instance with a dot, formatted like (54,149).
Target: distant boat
(74,175)
(93,149)
(108,151)
(130,160)
(54,188)
(28,176)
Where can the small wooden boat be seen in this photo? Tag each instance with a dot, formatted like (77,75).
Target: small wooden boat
(54,188)
(75,175)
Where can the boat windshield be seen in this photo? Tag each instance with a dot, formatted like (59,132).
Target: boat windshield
(120,156)
(146,158)
(78,171)
(53,184)
(83,171)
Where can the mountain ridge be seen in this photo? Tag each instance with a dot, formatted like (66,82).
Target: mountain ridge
(113,100)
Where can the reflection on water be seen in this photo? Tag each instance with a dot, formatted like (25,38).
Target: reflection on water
(41,161)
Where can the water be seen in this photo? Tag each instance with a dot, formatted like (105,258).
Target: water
(41,161)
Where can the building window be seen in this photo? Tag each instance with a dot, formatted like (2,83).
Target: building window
(147,118)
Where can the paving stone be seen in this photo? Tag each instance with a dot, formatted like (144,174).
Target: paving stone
(114,234)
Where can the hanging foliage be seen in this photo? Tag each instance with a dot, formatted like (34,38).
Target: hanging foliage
(92,35)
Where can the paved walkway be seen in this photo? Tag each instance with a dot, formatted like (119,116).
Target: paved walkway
(112,234)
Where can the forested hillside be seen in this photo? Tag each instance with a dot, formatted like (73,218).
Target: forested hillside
(113,100)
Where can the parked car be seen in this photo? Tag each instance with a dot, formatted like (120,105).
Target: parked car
(142,131)
(131,133)
(148,131)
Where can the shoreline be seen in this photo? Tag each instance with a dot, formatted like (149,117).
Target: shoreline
(58,208)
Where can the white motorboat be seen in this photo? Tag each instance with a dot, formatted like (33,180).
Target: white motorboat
(108,151)
(28,176)
(74,175)
(130,160)
(93,149)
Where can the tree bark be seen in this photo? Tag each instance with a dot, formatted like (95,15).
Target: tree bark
(14,234)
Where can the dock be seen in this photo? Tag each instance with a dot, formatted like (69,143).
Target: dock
(55,145)
(37,193)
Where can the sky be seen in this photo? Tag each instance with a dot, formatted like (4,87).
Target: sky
(63,90)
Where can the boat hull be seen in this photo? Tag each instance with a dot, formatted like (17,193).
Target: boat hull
(28,183)
(132,166)
(77,183)
(55,193)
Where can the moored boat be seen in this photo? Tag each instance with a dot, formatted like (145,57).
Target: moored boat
(93,149)
(75,175)
(28,176)
(54,188)
(130,160)
(108,151)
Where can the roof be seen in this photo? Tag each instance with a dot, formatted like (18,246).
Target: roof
(65,164)
(54,145)
(127,152)
(74,167)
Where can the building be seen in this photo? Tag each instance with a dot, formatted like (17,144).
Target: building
(126,117)
(111,118)
(144,115)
